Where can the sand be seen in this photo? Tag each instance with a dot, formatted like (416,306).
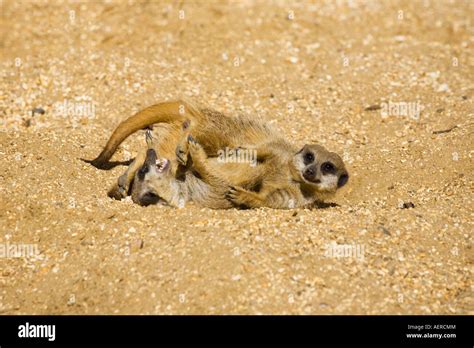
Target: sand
(387,85)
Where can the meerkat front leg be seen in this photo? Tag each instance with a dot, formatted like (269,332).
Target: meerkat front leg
(284,198)
(197,153)
(199,160)
(199,163)
(182,149)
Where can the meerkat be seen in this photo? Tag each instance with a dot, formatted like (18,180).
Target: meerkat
(172,134)
(284,176)
(154,182)
(281,179)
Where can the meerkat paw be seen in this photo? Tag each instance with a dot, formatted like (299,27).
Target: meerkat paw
(195,150)
(117,192)
(182,153)
(189,146)
(120,189)
(241,197)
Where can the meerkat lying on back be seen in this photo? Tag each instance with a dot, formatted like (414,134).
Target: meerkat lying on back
(155,182)
(284,176)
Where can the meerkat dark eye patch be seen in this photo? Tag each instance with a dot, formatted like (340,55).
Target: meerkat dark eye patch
(149,198)
(308,157)
(328,168)
(143,170)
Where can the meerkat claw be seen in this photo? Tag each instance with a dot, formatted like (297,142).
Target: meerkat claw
(149,138)
(183,149)
(181,156)
(231,193)
(237,197)
(191,139)
(117,193)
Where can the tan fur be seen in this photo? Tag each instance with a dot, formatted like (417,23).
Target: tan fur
(275,181)
(167,112)
(163,187)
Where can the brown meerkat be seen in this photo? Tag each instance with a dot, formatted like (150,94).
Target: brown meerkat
(284,176)
(282,179)
(172,134)
(155,182)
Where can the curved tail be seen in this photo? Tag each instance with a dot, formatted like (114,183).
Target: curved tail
(165,112)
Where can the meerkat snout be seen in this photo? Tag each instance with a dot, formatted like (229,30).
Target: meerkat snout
(310,174)
(151,176)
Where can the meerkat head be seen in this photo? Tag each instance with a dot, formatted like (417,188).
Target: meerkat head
(151,184)
(323,170)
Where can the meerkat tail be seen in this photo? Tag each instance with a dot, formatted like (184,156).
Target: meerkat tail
(165,112)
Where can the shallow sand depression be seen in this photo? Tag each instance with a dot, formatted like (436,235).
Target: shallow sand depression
(387,85)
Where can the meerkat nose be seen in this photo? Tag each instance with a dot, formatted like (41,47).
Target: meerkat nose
(150,157)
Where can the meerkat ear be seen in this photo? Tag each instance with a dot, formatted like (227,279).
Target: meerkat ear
(302,149)
(343,179)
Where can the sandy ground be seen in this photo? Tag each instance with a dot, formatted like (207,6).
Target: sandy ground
(309,69)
